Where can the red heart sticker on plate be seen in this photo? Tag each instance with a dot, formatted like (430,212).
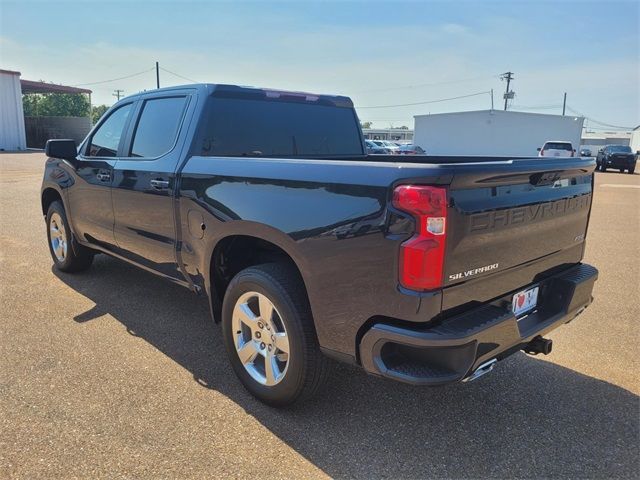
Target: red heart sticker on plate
(520,300)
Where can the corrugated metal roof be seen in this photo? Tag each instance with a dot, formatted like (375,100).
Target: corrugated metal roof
(29,86)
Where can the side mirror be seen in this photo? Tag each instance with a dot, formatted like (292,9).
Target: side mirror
(65,149)
(538,149)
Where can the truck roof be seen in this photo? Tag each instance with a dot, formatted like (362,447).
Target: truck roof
(256,93)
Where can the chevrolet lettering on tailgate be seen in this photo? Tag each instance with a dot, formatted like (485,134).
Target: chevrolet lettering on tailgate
(528,214)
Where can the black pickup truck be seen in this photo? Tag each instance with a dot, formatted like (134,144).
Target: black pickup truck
(423,269)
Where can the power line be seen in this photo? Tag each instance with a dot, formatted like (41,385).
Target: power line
(179,76)
(598,121)
(427,102)
(113,79)
(420,85)
(536,107)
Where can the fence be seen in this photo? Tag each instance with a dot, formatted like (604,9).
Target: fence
(40,129)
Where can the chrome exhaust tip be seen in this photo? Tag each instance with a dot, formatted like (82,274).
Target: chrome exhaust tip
(481,370)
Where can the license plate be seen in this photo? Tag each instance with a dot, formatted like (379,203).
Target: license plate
(524,301)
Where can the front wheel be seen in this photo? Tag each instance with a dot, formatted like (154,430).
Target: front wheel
(270,337)
(67,255)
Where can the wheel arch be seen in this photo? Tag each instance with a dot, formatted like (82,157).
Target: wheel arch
(48,196)
(239,250)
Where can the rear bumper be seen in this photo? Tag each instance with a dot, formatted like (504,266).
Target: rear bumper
(452,350)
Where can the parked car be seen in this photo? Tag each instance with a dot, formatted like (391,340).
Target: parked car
(556,149)
(374,148)
(585,152)
(410,149)
(391,147)
(428,272)
(616,156)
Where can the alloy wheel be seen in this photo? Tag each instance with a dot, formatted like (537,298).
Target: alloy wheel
(260,338)
(58,237)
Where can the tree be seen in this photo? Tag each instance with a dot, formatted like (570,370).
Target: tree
(366,124)
(55,105)
(97,112)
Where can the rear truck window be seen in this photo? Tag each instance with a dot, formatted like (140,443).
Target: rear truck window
(558,146)
(246,127)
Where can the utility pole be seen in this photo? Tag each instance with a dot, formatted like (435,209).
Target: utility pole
(157,75)
(507,94)
(564,104)
(492,99)
(118,94)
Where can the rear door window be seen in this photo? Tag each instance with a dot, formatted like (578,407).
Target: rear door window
(105,140)
(158,126)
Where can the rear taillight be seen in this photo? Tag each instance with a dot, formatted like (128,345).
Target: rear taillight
(422,256)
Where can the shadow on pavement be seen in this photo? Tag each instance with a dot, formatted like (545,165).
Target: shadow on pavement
(530,418)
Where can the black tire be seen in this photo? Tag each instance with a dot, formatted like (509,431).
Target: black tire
(603,167)
(77,257)
(632,170)
(621,170)
(307,368)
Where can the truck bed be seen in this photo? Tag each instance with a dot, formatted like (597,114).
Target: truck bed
(332,214)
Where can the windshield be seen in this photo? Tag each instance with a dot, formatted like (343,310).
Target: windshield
(247,127)
(619,149)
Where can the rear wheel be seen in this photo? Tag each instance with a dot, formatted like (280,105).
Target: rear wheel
(631,170)
(621,170)
(68,256)
(269,335)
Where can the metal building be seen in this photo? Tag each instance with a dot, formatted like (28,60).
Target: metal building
(40,128)
(392,134)
(594,141)
(12,132)
(493,132)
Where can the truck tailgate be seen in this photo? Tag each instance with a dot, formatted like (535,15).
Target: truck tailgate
(508,229)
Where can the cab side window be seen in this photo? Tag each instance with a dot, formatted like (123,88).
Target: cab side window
(105,141)
(158,126)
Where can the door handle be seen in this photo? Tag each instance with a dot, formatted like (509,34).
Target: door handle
(159,184)
(103,177)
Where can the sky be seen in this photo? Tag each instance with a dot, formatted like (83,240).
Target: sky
(379,53)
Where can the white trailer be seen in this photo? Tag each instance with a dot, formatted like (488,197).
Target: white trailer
(493,132)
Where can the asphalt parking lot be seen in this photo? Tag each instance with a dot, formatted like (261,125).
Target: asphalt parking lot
(116,373)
